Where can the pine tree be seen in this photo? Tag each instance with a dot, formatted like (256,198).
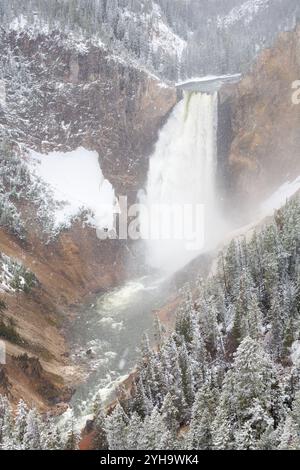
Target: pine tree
(203,414)
(290,439)
(249,394)
(100,439)
(72,435)
(172,371)
(199,359)
(20,423)
(154,432)
(170,416)
(6,424)
(32,436)
(116,429)
(134,432)
(187,378)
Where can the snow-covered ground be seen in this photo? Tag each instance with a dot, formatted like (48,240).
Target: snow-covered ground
(77,183)
(280,196)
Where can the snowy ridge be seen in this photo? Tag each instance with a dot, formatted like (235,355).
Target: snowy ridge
(246,12)
(161,35)
(161,38)
(280,196)
(73,40)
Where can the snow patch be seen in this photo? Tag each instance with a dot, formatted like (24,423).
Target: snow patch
(280,197)
(208,78)
(295,353)
(77,184)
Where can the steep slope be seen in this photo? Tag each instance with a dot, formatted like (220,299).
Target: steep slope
(172,38)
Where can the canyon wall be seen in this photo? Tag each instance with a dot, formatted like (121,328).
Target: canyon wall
(59,97)
(259,138)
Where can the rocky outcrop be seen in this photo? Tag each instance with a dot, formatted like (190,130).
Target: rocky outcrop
(261,125)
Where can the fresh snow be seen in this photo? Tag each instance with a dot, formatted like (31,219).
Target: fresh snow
(279,197)
(208,78)
(8,273)
(76,183)
(247,12)
(295,353)
(163,37)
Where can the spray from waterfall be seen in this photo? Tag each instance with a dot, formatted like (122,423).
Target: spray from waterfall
(182,175)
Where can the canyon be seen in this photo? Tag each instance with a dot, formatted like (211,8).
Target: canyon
(85,97)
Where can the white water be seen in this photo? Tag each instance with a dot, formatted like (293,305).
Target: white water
(111,329)
(182,172)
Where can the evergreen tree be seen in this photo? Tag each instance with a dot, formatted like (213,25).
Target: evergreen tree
(32,436)
(100,439)
(116,429)
(249,395)
(20,423)
(72,435)
(203,414)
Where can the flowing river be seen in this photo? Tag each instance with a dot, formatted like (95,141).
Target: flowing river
(107,334)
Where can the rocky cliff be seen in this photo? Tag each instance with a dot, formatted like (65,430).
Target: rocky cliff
(261,125)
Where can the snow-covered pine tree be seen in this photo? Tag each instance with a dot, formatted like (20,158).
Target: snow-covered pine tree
(116,427)
(100,439)
(199,436)
(249,395)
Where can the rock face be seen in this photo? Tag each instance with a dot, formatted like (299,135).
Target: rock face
(84,98)
(60,97)
(261,124)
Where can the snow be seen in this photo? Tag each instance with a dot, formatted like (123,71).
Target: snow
(164,38)
(76,183)
(8,273)
(19,23)
(208,78)
(279,197)
(5,276)
(295,353)
(73,40)
(246,11)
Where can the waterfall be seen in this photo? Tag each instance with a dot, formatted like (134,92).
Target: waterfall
(182,174)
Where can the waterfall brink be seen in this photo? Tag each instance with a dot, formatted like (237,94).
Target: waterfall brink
(182,174)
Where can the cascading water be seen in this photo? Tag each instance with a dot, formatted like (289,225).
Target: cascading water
(182,173)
